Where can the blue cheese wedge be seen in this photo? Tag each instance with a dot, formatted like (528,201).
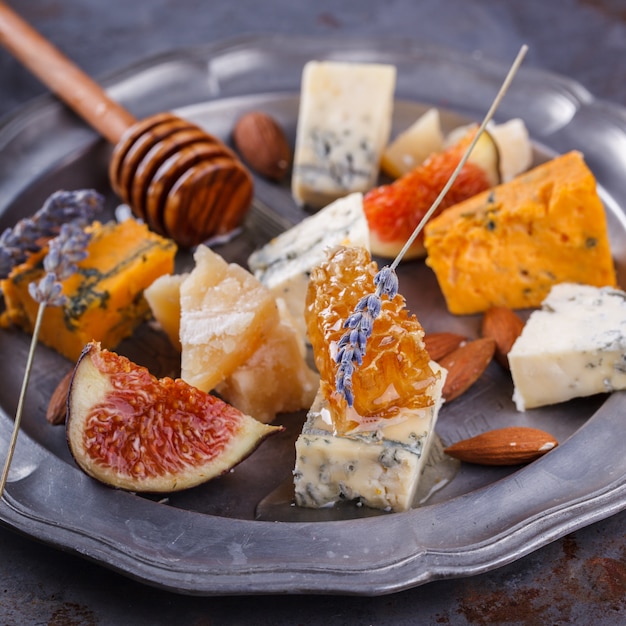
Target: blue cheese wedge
(380,468)
(284,264)
(575,346)
(344,123)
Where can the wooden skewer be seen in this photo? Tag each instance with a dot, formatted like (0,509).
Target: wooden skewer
(185,183)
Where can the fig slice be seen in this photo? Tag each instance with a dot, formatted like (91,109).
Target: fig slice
(393,211)
(130,430)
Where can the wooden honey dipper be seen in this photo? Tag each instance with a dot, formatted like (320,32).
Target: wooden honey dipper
(183,182)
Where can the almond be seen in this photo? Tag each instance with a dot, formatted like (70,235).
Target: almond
(466,365)
(514,445)
(263,145)
(439,344)
(504,326)
(57,407)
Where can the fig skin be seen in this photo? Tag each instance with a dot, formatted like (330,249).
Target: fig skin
(90,388)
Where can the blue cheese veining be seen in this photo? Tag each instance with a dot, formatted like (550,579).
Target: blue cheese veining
(379,468)
(284,264)
(344,123)
(575,346)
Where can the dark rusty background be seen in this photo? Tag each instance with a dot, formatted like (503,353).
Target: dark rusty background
(580,579)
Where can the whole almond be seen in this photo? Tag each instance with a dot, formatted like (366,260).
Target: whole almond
(466,365)
(514,445)
(262,143)
(57,406)
(504,326)
(439,344)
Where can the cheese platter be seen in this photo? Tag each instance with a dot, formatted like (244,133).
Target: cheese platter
(241,533)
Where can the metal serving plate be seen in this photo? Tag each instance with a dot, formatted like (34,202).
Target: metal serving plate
(210,540)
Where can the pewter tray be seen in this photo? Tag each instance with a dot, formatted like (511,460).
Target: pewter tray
(239,534)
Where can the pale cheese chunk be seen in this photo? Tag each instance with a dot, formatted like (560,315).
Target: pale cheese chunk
(380,468)
(276,378)
(225,315)
(284,264)
(273,377)
(344,123)
(163,297)
(413,145)
(575,346)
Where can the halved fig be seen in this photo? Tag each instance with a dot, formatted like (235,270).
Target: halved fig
(393,211)
(514,147)
(486,156)
(130,430)
(515,150)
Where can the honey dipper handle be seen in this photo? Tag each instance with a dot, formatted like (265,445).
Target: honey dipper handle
(63,77)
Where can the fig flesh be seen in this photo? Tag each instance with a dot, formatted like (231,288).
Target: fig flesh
(130,430)
(393,211)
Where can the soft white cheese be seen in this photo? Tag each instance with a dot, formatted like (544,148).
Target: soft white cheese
(574,346)
(380,468)
(284,264)
(344,122)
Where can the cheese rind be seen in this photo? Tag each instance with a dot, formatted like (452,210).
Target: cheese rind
(508,246)
(284,264)
(575,346)
(379,468)
(344,122)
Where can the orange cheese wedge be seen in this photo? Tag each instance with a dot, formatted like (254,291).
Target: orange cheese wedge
(508,246)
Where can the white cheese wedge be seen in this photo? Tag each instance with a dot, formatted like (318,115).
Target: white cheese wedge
(380,468)
(284,264)
(344,123)
(575,346)
(163,297)
(413,145)
(225,315)
(257,363)
(276,378)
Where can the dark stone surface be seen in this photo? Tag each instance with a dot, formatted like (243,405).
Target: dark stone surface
(579,579)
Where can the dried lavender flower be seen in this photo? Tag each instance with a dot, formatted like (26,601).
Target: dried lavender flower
(386,281)
(31,233)
(351,346)
(48,291)
(64,251)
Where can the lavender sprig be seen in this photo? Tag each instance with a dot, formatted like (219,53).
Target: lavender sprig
(64,252)
(352,343)
(29,234)
(60,263)
(359,324)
